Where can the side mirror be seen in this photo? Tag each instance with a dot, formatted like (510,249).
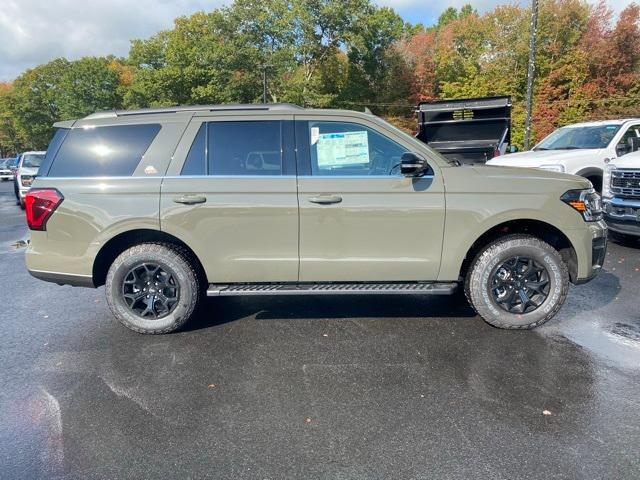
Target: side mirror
(513,148)
(412,165)
(622,149)
(634,144)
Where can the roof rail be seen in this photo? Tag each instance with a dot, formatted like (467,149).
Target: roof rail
(195,108)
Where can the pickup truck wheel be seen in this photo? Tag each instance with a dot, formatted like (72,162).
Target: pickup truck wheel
(517,282)
(153,288)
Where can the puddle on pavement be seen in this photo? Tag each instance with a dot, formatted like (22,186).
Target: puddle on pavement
(619,341)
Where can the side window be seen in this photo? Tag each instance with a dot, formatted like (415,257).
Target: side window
(113,151)
(195,163)
(244,148)
(626,143)
(339,148)
(52,150)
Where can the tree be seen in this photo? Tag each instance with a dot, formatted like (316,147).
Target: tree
(11,139)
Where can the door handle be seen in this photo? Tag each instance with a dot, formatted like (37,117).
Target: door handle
(190,199)
(326,199)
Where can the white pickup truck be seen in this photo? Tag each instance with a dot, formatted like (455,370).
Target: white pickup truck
(581,149)
(621,195)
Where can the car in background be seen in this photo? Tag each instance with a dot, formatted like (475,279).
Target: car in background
(28,166)
(13,166)
(621,196)
(581,149)
(5,169)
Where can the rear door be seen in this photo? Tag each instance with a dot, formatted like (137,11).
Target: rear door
(234,198)
(360,220)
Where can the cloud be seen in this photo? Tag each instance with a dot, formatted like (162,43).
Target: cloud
(36,31)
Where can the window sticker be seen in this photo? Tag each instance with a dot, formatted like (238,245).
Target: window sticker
(315,134)
(346,148)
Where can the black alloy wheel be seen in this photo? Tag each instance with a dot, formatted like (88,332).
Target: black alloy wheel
(519,285)
(150,291)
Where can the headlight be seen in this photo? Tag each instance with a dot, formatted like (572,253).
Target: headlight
(606,180)
(586,202)
(552,168)
(26,180)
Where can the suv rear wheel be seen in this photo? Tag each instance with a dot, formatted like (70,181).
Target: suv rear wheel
(153,288)
(517,282)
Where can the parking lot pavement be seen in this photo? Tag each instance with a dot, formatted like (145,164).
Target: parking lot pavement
(318,387)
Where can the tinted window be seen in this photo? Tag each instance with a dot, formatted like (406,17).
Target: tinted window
(244,148)
(632,132)
(350,149)
(113,151)
(54,145)
(32,160)
(571,138)
(195,164)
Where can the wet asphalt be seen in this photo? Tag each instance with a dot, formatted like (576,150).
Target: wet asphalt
(317,387)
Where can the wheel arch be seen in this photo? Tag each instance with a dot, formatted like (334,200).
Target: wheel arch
(594,175)
(124,240)
(537,228)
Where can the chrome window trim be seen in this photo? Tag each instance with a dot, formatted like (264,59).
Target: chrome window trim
(369,177)
(161,177)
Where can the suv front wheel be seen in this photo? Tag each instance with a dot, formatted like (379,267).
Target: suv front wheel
(517,282)
(153,288)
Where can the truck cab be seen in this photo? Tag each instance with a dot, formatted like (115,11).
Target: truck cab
(580,149)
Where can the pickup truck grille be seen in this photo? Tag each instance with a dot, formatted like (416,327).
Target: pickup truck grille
(625,183)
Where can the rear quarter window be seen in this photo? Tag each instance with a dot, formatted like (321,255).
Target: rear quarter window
(111,151)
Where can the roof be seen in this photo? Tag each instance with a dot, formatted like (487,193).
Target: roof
(615,121)
(197,108)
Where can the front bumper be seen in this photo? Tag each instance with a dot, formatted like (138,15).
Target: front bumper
(590,246)
(598,254)
(622,215)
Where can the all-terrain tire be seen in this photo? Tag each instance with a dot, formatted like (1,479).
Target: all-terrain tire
(479,276)
(173,259)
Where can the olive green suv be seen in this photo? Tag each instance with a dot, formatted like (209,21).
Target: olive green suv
(164,206)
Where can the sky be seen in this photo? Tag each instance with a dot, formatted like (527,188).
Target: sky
(36,31)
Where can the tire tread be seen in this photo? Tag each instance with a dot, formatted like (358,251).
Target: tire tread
(494,248)
(178,253)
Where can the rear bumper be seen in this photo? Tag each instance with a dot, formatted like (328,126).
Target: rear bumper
(63,278)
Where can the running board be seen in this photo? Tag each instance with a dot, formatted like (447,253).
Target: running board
(216,290)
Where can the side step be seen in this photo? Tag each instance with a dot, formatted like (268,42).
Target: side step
(420,288)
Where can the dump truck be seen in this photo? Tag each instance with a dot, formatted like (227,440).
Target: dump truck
(467,130)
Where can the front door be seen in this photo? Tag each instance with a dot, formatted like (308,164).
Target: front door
(234,198)
(360,219)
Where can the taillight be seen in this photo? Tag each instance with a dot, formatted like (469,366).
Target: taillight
(40,203)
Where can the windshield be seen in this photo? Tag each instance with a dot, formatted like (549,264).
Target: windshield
(32,160)
(569,138)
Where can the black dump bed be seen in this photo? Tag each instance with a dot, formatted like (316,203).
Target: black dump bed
(469,130)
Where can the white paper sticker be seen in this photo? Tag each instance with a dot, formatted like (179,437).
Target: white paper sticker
(346,148)
(315,134)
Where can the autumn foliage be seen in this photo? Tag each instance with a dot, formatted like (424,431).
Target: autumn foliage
(348,54)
